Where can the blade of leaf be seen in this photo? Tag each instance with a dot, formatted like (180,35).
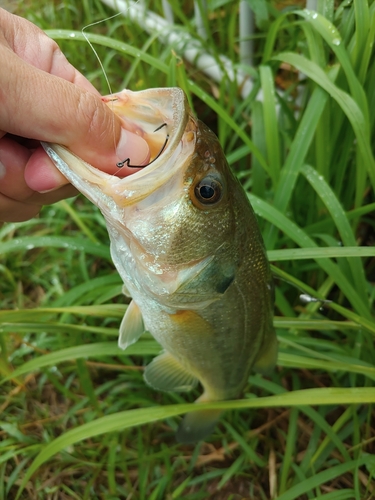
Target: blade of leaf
(99,349)
(351,109)
(122,420)
(334,207)
(296,234)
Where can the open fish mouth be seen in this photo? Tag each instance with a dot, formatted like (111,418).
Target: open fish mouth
(162,118)
(155,115)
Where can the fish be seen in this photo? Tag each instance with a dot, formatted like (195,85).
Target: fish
(186,243)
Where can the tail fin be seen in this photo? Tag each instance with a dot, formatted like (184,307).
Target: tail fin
(197,425)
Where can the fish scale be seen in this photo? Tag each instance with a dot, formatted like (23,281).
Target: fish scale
(186,243)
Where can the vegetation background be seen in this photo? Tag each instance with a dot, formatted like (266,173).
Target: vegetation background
(77,420)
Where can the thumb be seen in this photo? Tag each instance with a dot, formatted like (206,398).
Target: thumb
(42,106)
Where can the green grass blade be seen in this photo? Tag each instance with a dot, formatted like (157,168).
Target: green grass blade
(104,310)
(74,214)
(97,350)
(112,43)
(64,242)
(319,253)
(332,36)
(365,56)
(362,20)
(334,207)
(369,325)
(259,176)
(345,494)
(270,123)
(301,238)
(308,485)
(289,449)
(57,328)
(296,157)
(344,417)
(131,418)
(225,116)
(354,113)
(296,361)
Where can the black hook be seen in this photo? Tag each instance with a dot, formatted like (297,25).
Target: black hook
(126,162)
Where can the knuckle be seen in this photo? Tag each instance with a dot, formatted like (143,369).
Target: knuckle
(95,115)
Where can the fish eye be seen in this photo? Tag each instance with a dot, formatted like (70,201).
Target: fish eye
(208,190)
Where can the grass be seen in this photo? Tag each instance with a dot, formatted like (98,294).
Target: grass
(77,420)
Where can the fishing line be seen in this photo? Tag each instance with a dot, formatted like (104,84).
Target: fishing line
(101,64)
(93,48)
(127,160)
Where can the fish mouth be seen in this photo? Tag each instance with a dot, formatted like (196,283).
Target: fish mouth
(163,119)
(156,115)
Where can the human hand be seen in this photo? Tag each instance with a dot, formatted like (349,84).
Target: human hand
(44,98)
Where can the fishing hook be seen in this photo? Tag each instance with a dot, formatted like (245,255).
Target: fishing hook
(126,162)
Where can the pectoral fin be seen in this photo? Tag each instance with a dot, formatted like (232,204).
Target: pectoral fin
(210,277)
(165,373)
(131,327)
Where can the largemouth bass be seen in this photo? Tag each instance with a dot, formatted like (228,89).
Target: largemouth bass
(185,240)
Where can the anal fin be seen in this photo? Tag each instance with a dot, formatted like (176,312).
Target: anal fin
(165,373)
(131,327)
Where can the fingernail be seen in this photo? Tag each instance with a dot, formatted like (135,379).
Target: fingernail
(3,170)
(134,147)
(41,175)
(51,180)
(48,190)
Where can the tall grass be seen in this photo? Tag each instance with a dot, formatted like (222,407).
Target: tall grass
(77,420)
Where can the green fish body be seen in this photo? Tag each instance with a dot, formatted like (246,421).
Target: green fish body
(185,240)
